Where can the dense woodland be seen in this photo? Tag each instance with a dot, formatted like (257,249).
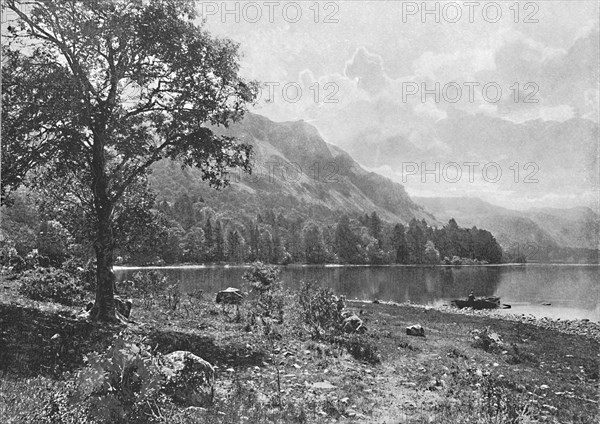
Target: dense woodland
(189,230)
(210,227)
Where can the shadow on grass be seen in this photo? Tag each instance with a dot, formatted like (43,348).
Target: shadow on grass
(234,354)
(27,348)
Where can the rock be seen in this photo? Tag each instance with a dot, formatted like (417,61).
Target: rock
(323,385)
(415,330)
(495,337)
(190,379)
(377,302)
(55,337)
(229,296)
(353,324)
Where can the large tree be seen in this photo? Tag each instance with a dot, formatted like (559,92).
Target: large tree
(102,89)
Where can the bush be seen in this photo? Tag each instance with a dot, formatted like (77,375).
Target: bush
(266,293)
(360,347)
(53,241)
(51,284)
(7,252)
(321,310)
(82,270)
(123,384)
(151,286)
(11,261)
(262,277)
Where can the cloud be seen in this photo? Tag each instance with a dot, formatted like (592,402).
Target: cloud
(370,53)
(367,69)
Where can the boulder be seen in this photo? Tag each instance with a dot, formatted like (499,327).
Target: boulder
(230,296)
(415,330)
(353,324)
(189,379)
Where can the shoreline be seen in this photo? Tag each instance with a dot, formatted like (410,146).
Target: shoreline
(576,309)
(126,267)
(581,327)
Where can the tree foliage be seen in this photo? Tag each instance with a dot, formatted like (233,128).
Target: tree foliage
(97,91)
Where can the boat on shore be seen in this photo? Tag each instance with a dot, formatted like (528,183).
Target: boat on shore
(490,302)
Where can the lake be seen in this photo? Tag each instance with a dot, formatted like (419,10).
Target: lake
(573,291)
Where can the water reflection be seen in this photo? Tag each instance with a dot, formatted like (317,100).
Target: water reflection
(573,291)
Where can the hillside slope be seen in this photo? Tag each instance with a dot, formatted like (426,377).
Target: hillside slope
(294,168)
(574,227)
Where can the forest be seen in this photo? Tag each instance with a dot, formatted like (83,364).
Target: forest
(189,230)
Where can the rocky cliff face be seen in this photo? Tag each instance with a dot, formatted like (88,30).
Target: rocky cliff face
(294,166)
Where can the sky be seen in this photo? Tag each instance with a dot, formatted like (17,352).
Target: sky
(436,84)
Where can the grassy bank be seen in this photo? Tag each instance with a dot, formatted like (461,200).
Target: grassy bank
(535,374)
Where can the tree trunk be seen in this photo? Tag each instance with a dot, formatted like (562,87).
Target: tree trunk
(104,307)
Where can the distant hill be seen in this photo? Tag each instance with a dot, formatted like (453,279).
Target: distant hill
(562,156)
(575,227)
(297,170)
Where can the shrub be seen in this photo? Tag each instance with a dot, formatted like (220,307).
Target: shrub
(266,293)
(53,241)
(196,294)
(266,301)
(83,270)
(262,277)
(150,286)
(320,309)
(122,384)
(11,261)
(172,296)
(7,252)
(51,285)
(360,347)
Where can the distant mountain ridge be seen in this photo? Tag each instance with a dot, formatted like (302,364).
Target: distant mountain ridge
(561,157)
(296,168)
(575,227)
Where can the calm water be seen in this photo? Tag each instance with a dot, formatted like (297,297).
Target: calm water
(572,290)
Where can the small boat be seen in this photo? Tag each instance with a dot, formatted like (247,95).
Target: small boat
(491,302)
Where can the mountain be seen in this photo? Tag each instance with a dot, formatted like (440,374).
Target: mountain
(574,227)
(548,227)
(548,162)
(294,169)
